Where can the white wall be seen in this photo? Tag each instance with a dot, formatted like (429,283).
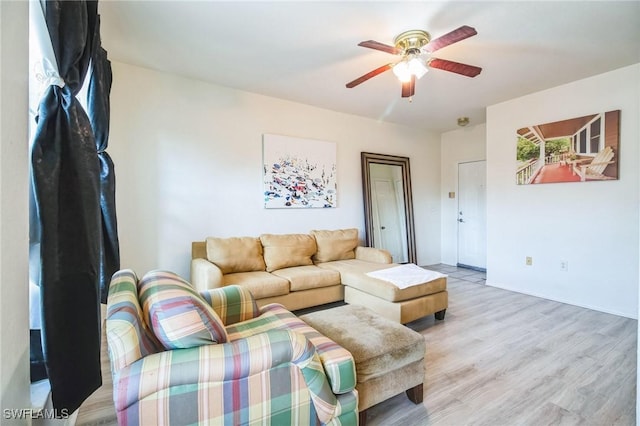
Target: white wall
(188,159)
(593,225)
(14,279)
(457,146)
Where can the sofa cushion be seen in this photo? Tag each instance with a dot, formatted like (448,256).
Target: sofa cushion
(261,284)
(335,245)
(283,251)
(308,277)
(236,254)
(179,317)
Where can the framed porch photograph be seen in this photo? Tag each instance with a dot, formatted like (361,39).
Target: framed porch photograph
(580,149)
(298,173)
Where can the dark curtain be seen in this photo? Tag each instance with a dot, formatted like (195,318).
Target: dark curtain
(99,111)
(66,179)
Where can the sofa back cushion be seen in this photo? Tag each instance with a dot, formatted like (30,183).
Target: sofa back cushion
(179,317)
(286,250)
(335,245)
(236,254)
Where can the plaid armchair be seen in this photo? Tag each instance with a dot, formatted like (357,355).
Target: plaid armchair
(272,369)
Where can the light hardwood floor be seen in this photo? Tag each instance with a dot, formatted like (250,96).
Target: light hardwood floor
(501,358)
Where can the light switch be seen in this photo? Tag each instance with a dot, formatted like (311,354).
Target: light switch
(452,195)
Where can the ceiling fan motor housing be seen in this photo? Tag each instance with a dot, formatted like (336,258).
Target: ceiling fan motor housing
(412,41)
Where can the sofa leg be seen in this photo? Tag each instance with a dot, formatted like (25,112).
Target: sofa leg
(440,314)
(362,418)
(415,394)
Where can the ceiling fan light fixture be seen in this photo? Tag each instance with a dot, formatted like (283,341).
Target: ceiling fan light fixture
(418,67)
(411,65)
(402,71)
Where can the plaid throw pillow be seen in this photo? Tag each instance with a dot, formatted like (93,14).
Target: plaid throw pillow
(179,317)
(232,303)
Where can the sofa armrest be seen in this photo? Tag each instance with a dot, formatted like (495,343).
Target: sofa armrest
(213,365)
(128,337)
(372,254)
(205,275)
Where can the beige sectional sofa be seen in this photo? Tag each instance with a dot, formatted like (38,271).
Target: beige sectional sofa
(305,270)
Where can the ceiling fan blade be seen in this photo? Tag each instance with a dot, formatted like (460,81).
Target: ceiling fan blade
(409,87)
(456,67)
(369,75)
(450,38)
(371,44)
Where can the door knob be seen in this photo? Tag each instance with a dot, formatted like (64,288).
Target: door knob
(383,227)
(461,220)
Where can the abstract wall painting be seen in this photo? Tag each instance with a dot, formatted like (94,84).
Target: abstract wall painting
(576,150)
(298,173)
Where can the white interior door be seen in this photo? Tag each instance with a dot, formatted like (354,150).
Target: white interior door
(388,227)
(472,216)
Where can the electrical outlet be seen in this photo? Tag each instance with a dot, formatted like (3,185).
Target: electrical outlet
(529,261)
(564,265)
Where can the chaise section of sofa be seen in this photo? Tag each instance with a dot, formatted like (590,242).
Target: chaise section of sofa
(402,305)
(397,303)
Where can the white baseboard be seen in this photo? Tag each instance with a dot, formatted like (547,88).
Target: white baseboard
(567,302)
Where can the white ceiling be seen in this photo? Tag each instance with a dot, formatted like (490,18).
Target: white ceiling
(307,51)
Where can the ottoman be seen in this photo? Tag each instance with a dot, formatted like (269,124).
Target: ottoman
(389,357)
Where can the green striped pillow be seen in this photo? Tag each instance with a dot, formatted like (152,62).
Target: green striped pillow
(179,317)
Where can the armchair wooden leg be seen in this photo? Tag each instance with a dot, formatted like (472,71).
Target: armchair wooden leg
(415,394)
(362,418)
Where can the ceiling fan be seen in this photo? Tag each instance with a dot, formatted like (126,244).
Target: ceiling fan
(415,46)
